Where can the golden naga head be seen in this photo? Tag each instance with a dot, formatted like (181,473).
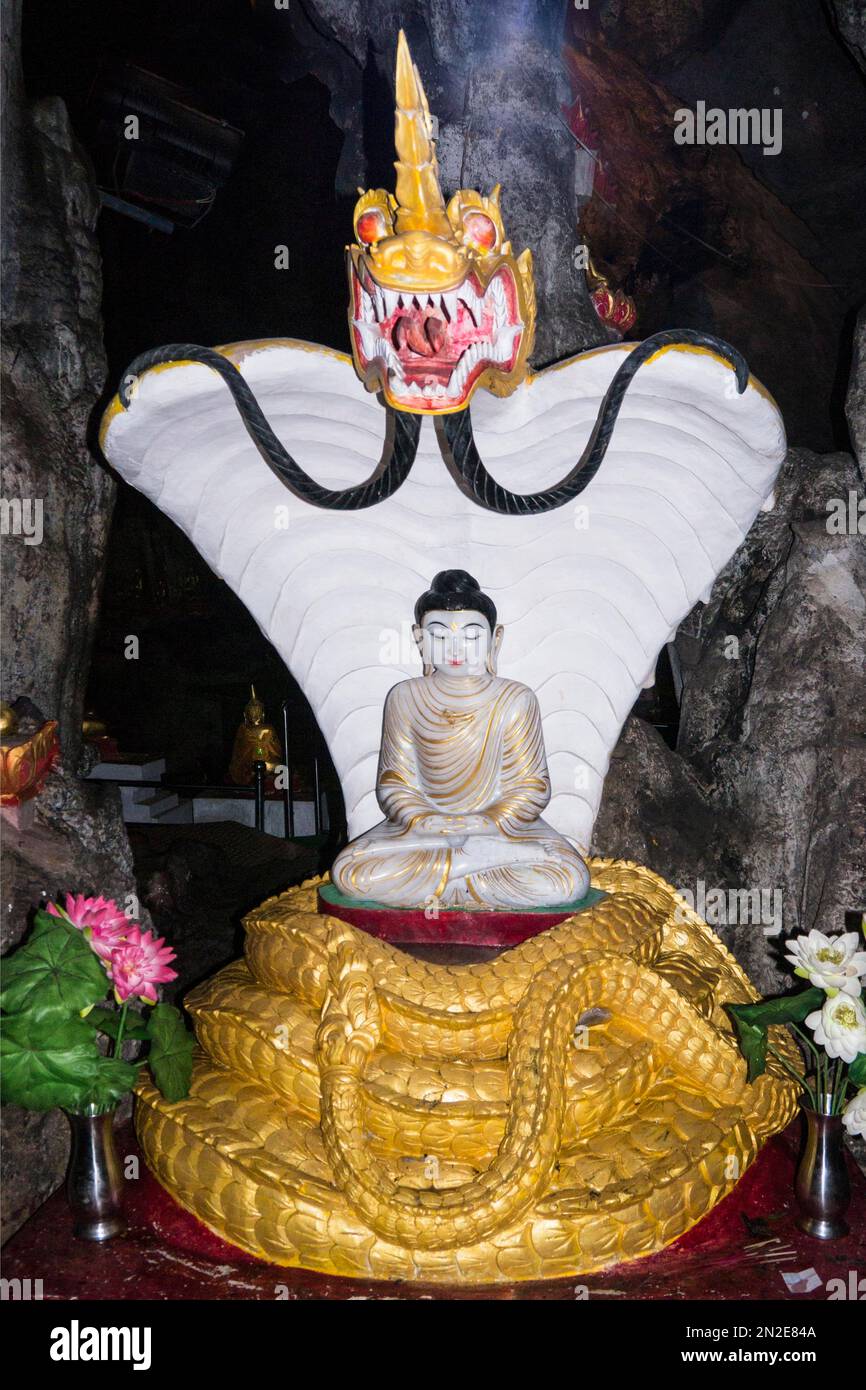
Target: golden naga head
(439,304)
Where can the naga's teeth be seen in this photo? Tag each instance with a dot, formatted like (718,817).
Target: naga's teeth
(500,308)
(449,305)
(371,339)
(391,300)
(395,366)
(505,339)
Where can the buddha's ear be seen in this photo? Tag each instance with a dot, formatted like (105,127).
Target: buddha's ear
(495,644)
(418,634)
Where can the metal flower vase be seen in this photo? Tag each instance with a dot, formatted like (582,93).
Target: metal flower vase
(822,1187)
(94,1183)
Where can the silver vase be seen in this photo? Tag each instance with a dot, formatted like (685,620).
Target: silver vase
(822,1186)
(94,1183)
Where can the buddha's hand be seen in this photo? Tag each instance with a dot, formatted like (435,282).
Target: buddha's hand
(457,827)
(437,824)
(477,823)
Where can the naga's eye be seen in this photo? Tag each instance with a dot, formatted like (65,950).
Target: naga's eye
(371,226)
(479,230)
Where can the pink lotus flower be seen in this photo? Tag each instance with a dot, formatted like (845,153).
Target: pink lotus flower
(101,920)
(138,964)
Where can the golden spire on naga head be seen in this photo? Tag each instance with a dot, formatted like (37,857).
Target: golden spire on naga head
(439,304)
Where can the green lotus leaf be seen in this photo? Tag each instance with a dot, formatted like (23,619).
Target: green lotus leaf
(752,1038)
(54,972)
(44,921)
(171,1049)
(114,1079)
(108,1021)
(47,1061)
(789,1008)
(857,1070)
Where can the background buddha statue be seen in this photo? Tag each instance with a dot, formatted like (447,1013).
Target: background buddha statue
(462,777)
(255,741)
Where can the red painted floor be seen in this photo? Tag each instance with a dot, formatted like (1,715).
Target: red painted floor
(167,1255)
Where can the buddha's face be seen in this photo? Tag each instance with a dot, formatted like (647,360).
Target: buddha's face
(254,713)
(458,644)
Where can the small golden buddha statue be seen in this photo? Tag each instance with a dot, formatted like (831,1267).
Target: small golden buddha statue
(462,777)
(256,741)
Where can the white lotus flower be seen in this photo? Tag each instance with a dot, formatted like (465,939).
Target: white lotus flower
(854,1114)
(830,962)
(840,1027)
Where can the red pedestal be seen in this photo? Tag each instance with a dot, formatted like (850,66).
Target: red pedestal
(449,926)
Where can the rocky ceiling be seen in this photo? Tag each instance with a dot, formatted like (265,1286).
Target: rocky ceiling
(768,251)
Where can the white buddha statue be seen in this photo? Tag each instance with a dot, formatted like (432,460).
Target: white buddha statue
(462,777)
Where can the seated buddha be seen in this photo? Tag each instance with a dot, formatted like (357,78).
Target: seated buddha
(462,777)
(255,741)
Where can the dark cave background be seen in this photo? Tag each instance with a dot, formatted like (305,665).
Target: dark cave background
(766,251)
(212,283)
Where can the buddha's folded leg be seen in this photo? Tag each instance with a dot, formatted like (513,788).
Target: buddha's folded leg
(539,873)
(542,885)
(535,869)
(377,867)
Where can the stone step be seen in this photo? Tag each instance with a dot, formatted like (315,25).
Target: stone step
(181,814)
(147,771)
(139,809)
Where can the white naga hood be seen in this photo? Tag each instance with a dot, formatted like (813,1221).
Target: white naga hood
(589,593)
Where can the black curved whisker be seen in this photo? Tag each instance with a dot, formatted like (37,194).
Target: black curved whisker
(488,493)
(401,440)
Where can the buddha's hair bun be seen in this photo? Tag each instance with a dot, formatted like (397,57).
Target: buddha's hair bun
(454,581)
(453,591)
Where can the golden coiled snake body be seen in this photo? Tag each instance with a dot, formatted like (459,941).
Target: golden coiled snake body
(577,1101)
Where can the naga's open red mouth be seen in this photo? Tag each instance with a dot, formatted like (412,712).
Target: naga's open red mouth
(434,346)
